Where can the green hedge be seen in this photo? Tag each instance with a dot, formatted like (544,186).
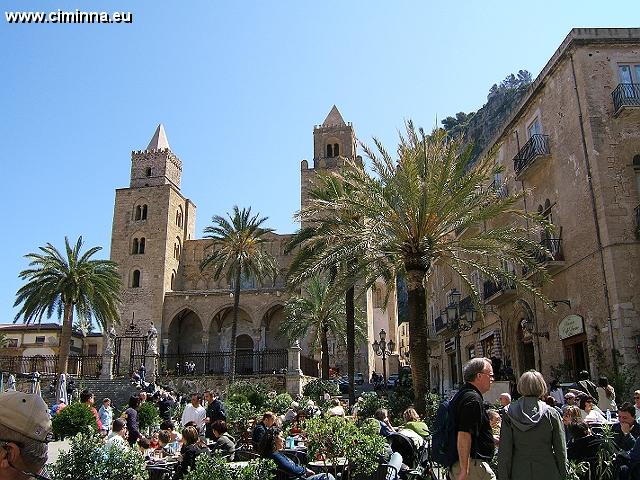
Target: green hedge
(73,419)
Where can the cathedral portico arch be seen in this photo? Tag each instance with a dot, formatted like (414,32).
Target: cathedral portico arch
(272,338)
(185,333)
(221,324)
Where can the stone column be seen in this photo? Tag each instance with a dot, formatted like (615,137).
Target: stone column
(150,365)
(294,373)
(107,365)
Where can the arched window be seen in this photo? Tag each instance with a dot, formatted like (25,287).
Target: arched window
(636,171)
(177,247)
(329,150)
(147,171)
(135,279)
(144,212)
(179,217)
(138,213)
(141,245)
(336,149)
(136,246)
(173,279)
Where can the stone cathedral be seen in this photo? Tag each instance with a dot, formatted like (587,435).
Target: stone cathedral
(154,242)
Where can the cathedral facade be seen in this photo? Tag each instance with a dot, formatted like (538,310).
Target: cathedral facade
(154,243)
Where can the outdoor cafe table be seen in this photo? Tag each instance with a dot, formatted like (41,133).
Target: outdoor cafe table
(156,467)
(320,466)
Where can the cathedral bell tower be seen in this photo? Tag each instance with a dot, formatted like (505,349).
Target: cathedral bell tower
(334,142)
(151,222)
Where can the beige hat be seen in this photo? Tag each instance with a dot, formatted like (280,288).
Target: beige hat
(25,413)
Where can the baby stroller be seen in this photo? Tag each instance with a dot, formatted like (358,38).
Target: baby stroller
(417,459)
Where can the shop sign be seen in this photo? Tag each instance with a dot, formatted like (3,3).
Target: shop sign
(571,326)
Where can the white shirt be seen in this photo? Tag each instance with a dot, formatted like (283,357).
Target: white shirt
(116,439)
(193,414)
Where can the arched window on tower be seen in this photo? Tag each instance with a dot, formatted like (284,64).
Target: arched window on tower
(141,245)
(147,171)
(135,279)
(179,217)
(329,150)
(138,213)
(144,212)
(136,246)
(336,149)
(173,279)
(177,247)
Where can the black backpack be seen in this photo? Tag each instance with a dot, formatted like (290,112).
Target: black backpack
(444,439)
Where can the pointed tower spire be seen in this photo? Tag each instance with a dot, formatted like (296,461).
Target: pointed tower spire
(159,140)
(334,118)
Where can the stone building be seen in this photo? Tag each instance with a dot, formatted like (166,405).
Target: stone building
(154,242)
(574,144)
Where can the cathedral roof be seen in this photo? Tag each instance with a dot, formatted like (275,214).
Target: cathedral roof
(334,118)
(159,140)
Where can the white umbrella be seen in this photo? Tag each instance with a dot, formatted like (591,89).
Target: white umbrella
(11,383)
(61,393)
(1,382)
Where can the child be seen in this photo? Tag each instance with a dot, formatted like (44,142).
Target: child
(106,416)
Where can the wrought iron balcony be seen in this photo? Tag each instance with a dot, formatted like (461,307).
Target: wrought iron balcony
(552,262)
(637,213)
(498,293)
(499,188)
(625,95)
(537,146)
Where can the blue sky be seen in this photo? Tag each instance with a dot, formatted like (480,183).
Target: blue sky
(238,86)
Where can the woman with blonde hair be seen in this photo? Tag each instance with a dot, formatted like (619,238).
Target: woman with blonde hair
(532,441)
(413,422)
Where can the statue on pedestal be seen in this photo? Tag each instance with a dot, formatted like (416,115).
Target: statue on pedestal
(111,341)
(152,339)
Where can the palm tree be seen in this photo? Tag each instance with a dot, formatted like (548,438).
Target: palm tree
(61,284)
(237,253)
(403,217)
(318,311)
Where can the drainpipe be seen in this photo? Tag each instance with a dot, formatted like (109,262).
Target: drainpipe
(596,221)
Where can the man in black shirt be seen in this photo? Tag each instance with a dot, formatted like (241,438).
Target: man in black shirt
(215,411)
(475,439)
(627,430)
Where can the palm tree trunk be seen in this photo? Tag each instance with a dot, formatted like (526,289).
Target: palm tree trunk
(65,338)
(351,341)
(234,325)
(324,346)
(418,337)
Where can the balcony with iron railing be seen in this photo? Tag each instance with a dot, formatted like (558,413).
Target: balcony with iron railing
(554,260)
(498,293)
(626,95)
(537,146)
(439,324)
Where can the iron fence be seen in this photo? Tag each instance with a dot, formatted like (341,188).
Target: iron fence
(80,365)
(536,146)
(200,363)
(626,95)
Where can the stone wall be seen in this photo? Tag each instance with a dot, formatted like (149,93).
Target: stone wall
(220,382)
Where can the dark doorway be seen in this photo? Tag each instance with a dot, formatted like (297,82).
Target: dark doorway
(244,354)
(576,353)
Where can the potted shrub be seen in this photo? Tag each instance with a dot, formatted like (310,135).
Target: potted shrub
(73,419)
(148,416)
(89,459)
(211,467)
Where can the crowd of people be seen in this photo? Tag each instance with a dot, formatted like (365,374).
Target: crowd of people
(539,433)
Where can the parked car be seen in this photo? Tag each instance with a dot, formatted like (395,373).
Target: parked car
(392,381)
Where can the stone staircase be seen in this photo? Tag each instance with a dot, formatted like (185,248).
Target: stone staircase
(118,390)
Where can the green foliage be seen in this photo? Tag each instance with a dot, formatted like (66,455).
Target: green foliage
(399,400)
(243,391)
(239,417)
(280,403)
(73,419)
(623,382)
(317,388)
(148,415)
(576,470)
(432,401)
(563,372)
(211,467)
(89,459)
(606,455)
(336,437)
(369,404)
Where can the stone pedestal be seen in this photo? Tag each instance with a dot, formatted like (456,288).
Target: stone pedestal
(151,367)
(294,373)
(107,366)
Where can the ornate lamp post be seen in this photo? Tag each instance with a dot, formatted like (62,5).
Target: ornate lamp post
(382,349)
(454,321)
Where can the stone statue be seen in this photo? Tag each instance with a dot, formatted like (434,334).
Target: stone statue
(152,339)
(111,340)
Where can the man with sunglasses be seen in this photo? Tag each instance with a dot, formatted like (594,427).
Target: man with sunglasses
(25,429)
(475,438)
